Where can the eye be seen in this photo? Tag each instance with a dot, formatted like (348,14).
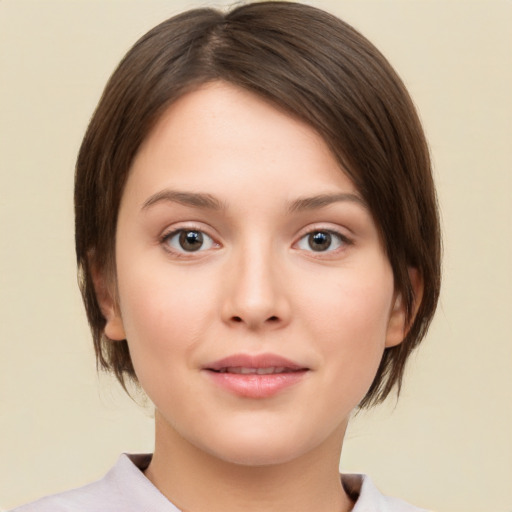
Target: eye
(188,240)
(322,241)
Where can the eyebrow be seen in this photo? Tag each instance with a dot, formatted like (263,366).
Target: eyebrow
(209,202)
(194,199)
(322,200)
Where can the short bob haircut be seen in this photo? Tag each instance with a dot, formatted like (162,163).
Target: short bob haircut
(313,66)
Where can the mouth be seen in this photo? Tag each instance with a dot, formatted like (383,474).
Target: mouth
(255,376)
(270,370)
(259,364)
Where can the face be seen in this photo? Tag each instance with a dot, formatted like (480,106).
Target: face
(253,289)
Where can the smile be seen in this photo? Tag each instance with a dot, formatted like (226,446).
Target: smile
(255,376)
(256,371)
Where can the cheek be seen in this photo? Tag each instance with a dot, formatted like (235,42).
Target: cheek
(351,300)
(349,316)
(164,314)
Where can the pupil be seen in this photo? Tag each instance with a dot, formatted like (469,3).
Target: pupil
(320,241)
(191,240)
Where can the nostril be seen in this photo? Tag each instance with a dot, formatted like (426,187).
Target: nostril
(238,319)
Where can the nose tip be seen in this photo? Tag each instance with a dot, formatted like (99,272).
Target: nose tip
(268,312)
(256,296)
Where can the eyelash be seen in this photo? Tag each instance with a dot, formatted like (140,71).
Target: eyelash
(342,239)
(182,253)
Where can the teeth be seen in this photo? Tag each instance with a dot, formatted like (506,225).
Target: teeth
(265,371)
(254,371)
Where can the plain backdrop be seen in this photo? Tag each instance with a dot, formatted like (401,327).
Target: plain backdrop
(447,444)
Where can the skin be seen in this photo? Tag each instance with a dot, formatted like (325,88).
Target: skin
(255,286)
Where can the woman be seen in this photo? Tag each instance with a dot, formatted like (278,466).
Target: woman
(258,246)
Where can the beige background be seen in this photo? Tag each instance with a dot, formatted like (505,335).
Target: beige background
(447,444)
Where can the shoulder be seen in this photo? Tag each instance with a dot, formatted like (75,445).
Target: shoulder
(369,499)
(88,498)
(124,488)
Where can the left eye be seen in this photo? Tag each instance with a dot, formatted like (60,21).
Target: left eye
(321,241)
(188,240)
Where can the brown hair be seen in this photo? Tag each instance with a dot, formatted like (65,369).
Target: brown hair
(319,69)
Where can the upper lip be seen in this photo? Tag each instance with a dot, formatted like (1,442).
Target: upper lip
(254,361)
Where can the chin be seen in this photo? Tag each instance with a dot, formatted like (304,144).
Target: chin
(258,454)
(261,446)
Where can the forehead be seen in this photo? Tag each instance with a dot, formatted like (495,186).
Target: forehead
(220,134)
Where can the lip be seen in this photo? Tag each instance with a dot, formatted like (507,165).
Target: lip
(236,374)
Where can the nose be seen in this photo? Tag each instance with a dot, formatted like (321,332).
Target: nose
(255,291)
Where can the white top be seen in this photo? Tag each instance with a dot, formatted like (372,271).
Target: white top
(125,489)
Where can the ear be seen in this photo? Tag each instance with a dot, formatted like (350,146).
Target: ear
(103,286)
(398,324)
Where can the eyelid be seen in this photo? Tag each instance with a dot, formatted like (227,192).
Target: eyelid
(174,230)
(345,239)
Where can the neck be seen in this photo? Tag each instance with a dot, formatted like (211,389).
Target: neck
(196,481)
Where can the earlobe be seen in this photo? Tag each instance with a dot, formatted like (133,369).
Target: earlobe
(399,323)
(114,328)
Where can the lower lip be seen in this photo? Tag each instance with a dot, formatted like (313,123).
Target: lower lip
(256,386)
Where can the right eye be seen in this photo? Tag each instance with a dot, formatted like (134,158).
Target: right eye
(188,240)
